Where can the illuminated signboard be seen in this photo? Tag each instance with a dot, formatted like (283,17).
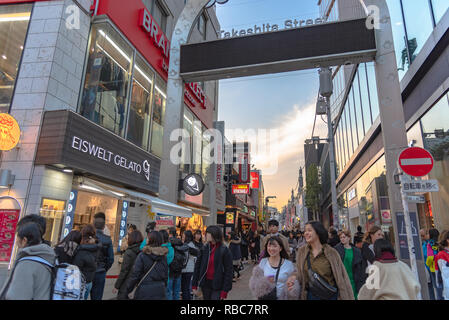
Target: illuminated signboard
(240,189)
(255,180)
(9,132)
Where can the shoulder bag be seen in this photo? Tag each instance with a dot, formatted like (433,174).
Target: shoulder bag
(143,278)
(317,285)
(273,294)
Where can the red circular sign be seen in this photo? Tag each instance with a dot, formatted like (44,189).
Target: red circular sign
(416,162)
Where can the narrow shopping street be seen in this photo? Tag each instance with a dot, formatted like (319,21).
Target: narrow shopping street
(240,288)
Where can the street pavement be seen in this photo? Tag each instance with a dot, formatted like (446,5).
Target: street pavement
(240,289)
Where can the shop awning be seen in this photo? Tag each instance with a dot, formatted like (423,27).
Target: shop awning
(201,212)
(158,206)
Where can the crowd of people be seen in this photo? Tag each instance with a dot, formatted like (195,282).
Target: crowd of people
(314,264)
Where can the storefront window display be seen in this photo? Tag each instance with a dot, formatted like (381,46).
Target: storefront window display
(435,127)
(158,118)
(14,21)
(140,107)
(104,99)
(53,212)
(194,223)
(89,203)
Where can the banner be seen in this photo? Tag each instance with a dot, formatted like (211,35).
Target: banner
(70,213)
(8,224)
(123,219)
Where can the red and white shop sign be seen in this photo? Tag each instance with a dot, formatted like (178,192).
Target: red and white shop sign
(255,180)
(150,26)
(164,221)
(194,95)
(8,224)
(240,189)
(416,162)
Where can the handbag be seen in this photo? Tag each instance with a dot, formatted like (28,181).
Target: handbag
(143,278)
(273,293)
(317,285)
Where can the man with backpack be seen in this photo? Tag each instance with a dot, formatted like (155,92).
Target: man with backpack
(180,260)
(105,257)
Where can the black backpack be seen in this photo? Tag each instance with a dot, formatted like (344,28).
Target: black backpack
(180,260)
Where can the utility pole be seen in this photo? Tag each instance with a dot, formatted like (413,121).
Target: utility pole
(326,90)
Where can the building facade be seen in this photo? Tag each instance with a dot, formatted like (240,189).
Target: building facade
(86,82)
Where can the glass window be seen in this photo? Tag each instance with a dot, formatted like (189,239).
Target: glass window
(340,160)
(197,146)
(414,136)
(353,123)
(350,121)
(397,24)
(418,21)
(337,154)
(187,157)
(157,130)
(345,136)
(158,13)
(104,99)
(439,8)
(342,143)
(372,86)
(13,29)
(364,100)
(53,212)
(435,127)
(140,108)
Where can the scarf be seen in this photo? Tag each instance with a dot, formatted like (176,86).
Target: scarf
(387,257)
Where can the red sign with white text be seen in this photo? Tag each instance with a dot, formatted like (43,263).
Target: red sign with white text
(194,95)
(240,189)
(8,224)
(255,180)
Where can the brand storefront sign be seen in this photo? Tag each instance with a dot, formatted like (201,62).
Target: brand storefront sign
(77,143)
(9,132)
(244,168)
(164,222)
(193,185)
(255,180)
(240,189)
(194,95)
(8,224)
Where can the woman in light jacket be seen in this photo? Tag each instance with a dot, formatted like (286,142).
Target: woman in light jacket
(187,272)
(30,279)
(393,279)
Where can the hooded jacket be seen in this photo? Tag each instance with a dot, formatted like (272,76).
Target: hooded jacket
(153,285)
(86,260)
(396,282)
(30,280)
(338,270)
(129,258)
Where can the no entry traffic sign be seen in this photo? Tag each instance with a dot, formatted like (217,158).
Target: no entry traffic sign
(416,162)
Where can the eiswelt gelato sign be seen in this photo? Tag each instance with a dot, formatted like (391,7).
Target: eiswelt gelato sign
(267,27)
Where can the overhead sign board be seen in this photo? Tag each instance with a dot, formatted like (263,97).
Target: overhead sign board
(240,189)
(255,180)
(416,199)
(9,132)
(416,162)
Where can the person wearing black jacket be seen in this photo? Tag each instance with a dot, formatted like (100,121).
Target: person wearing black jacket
(213,268)
(333,237)
(105,257)
(135,238)
(86,256)
(150,272)
(198,239)
(66,249)
(244,245)
(41,223)
(374,233)
(354,258)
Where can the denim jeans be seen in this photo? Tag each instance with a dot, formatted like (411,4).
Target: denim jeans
(173,288)
(438,288)
(98,286)
(186,286)
(87,290)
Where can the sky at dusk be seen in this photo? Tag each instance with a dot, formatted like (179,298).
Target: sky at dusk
(283,103)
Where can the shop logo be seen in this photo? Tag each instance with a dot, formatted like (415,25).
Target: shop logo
(193,184)
(146,169)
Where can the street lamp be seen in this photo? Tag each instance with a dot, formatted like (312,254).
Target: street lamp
(323,103)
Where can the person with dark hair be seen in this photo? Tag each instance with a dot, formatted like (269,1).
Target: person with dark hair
(30,279)
(124,243)
(135,238)
(333,237)
(359,233)
(86,256)
(317,262)
(254,245)
(170,257)
(213,268)
(150,272)
(374,233)
(187,272)
(198,239)
(273,229)
(234,247)
(430,250)
(293,244)
(244,245)
(172,233)
(352,260)
(66,249)
(358,243)
(41,223)
(396,279)
(442,263)
(268,280)
(105,257)
(148,229)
